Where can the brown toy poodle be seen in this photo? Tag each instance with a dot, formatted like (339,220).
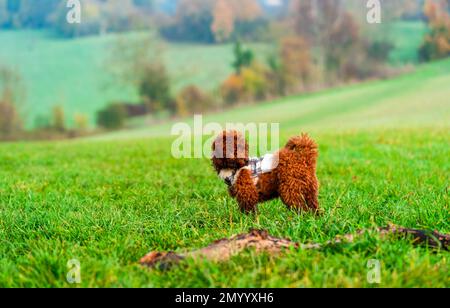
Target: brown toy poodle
(289,174)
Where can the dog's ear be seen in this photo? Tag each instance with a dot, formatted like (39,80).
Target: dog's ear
(241,146)
(231,145)
(218,146)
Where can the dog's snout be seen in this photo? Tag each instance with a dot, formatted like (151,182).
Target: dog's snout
(227,176)
(229,180)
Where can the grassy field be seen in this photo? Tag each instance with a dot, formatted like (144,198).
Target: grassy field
(407,38)
(384,159)
(74,74)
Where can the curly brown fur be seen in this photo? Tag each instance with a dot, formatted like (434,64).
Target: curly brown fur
(294,179)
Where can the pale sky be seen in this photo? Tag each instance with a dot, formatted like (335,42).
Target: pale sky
(274,2)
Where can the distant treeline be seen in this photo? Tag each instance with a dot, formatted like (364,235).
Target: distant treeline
(206,21)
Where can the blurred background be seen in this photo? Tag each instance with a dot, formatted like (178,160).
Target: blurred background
(134,64)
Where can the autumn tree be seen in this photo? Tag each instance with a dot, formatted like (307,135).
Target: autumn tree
(11,96)
(255,81)
(81,122)
(343,38)
(223,24)
(329,29)
(436,44)
(304,19)
(247,10)
(249,22)
(311,19)
(192,100)
(233,89)
(59,119)
(314,21)
(295,62)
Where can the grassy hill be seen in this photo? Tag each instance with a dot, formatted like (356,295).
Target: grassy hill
(419,98)
(383,159)
(73,73)
(407,38)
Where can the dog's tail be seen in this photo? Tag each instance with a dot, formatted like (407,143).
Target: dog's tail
(306,147)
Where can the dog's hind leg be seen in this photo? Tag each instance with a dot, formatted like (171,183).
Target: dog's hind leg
(296,194)
(312,198)
(292,195)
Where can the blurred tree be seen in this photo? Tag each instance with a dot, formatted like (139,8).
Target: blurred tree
(341,38)
(392,10)
(13,6)
(58,119)
(232,89)
(25,13)
(192,100)
(91,24)
(247,10)
(295,62)
(11,86)
(303,18)
(154,88)
(137,61)
(436,44)
(192,22)
(314,21)
(4,16)
(329,29)
(130,55)
(11,96)
(10,122)
(255,82)
(112,117)
(242,57)
(103,16)
(223,24)
(249,20)
(35,14)
(243,18)
(81,122)
(379,50)
(119,15)
(276,75)
(212,21)
(254,30)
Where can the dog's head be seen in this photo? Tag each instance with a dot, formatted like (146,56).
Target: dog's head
(230,153)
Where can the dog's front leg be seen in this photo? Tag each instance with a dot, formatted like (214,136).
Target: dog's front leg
(245,191)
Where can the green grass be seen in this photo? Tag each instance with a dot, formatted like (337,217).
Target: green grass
(73,73)
(109,203)
(384,149)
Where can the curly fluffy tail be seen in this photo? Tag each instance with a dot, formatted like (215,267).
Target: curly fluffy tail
(304,146)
